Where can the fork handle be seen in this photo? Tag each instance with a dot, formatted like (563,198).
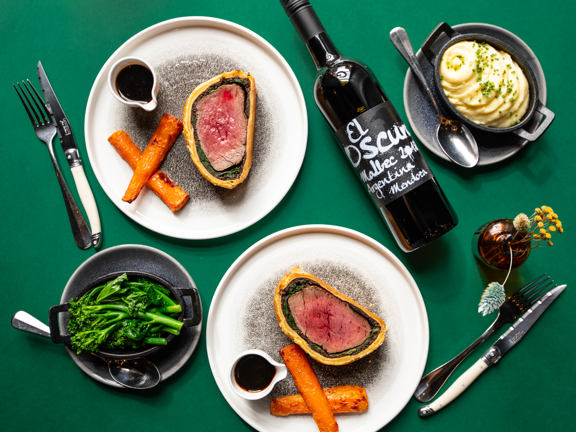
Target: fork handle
(431,383)
(80,229)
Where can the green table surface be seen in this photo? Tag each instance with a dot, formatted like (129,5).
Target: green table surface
(533,388)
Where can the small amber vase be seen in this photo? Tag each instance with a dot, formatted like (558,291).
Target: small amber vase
(496,242)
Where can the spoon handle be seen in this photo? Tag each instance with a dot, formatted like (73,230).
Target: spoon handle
(401,41)
(26,322)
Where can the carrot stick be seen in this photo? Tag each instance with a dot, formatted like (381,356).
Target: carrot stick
(161,142)
(307,383)
(162,185)
(342,399)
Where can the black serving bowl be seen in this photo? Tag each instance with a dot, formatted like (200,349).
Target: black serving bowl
(537,117)
(58,316)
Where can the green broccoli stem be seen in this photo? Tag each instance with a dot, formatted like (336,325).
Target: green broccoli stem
(173,309)
(169,330)
(155,317)
(156,341)
(162,319)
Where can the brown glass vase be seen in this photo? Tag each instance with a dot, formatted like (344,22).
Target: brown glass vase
(496,242)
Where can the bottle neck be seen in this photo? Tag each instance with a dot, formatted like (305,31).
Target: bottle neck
(311,31)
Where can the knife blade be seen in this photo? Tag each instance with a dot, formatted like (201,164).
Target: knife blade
(500,348)
(72,154)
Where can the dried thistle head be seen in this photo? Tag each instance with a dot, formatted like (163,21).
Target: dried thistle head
(522,223)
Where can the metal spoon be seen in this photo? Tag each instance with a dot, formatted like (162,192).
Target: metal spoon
(454,138)
(137,374)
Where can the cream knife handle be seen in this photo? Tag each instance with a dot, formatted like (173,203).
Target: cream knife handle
(89,203)
(462,383)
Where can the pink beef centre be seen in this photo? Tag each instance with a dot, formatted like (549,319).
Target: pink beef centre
(221,126)
(328,321)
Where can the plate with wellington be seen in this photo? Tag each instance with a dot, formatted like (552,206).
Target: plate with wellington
(242,317)
(184,53)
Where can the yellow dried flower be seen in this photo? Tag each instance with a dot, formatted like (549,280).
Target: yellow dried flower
(538,227)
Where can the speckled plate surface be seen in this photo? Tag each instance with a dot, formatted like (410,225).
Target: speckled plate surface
(148,260)
(422,117)
(242,316)
(185,52)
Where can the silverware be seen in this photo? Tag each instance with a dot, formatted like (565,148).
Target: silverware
(70,148)
(46,131)
(453,137)
(26,322)
(138,374)
(512,308)
(506,342)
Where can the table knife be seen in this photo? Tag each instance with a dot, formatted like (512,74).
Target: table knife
(72,156)
(500,348)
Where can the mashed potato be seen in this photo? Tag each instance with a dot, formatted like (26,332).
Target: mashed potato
(484,84)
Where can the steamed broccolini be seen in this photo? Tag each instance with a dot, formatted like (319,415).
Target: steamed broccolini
(123,314)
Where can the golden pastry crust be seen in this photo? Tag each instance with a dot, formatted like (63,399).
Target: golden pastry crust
(191,137)
(299,339)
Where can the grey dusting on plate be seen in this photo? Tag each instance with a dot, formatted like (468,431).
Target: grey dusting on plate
(177,78)
(263,331)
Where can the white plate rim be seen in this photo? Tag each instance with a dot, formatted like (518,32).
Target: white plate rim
(295,231)
(100,84)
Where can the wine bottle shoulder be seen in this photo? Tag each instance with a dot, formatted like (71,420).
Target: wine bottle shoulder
(346,88)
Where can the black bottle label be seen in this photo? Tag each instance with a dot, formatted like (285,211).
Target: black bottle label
(384,154)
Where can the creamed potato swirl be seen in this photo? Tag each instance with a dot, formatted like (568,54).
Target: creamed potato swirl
(484,84)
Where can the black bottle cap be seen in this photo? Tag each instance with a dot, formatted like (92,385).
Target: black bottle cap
(303,18)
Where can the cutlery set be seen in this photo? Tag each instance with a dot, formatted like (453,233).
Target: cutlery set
(524,308)
(48,119)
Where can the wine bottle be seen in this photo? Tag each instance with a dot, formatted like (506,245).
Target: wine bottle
(374,138)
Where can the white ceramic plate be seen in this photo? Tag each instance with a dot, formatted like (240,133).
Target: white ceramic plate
(185,52)
(242,316)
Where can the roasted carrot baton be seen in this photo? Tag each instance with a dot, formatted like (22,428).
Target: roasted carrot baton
(162,185)
(342,399)
(308,385)
(161,142)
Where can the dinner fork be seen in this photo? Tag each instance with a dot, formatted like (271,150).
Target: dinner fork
(45,129)
(512,308)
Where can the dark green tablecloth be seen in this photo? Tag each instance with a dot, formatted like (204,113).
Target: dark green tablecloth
(531,389)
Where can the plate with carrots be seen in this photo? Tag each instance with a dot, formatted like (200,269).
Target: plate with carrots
(171,197)
(364,395)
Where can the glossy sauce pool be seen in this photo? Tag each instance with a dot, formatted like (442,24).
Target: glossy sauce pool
(254,373)
(134,83)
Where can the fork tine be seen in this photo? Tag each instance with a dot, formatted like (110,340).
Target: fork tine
(530,285)
(533,291)
(38,102)
(27,106)
(534,296)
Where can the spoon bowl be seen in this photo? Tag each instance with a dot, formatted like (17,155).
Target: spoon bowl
(453,137)
(139,374)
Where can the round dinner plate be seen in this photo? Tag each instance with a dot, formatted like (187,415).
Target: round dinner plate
(173,357)
(185,52)
(493,148)
(242,316)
